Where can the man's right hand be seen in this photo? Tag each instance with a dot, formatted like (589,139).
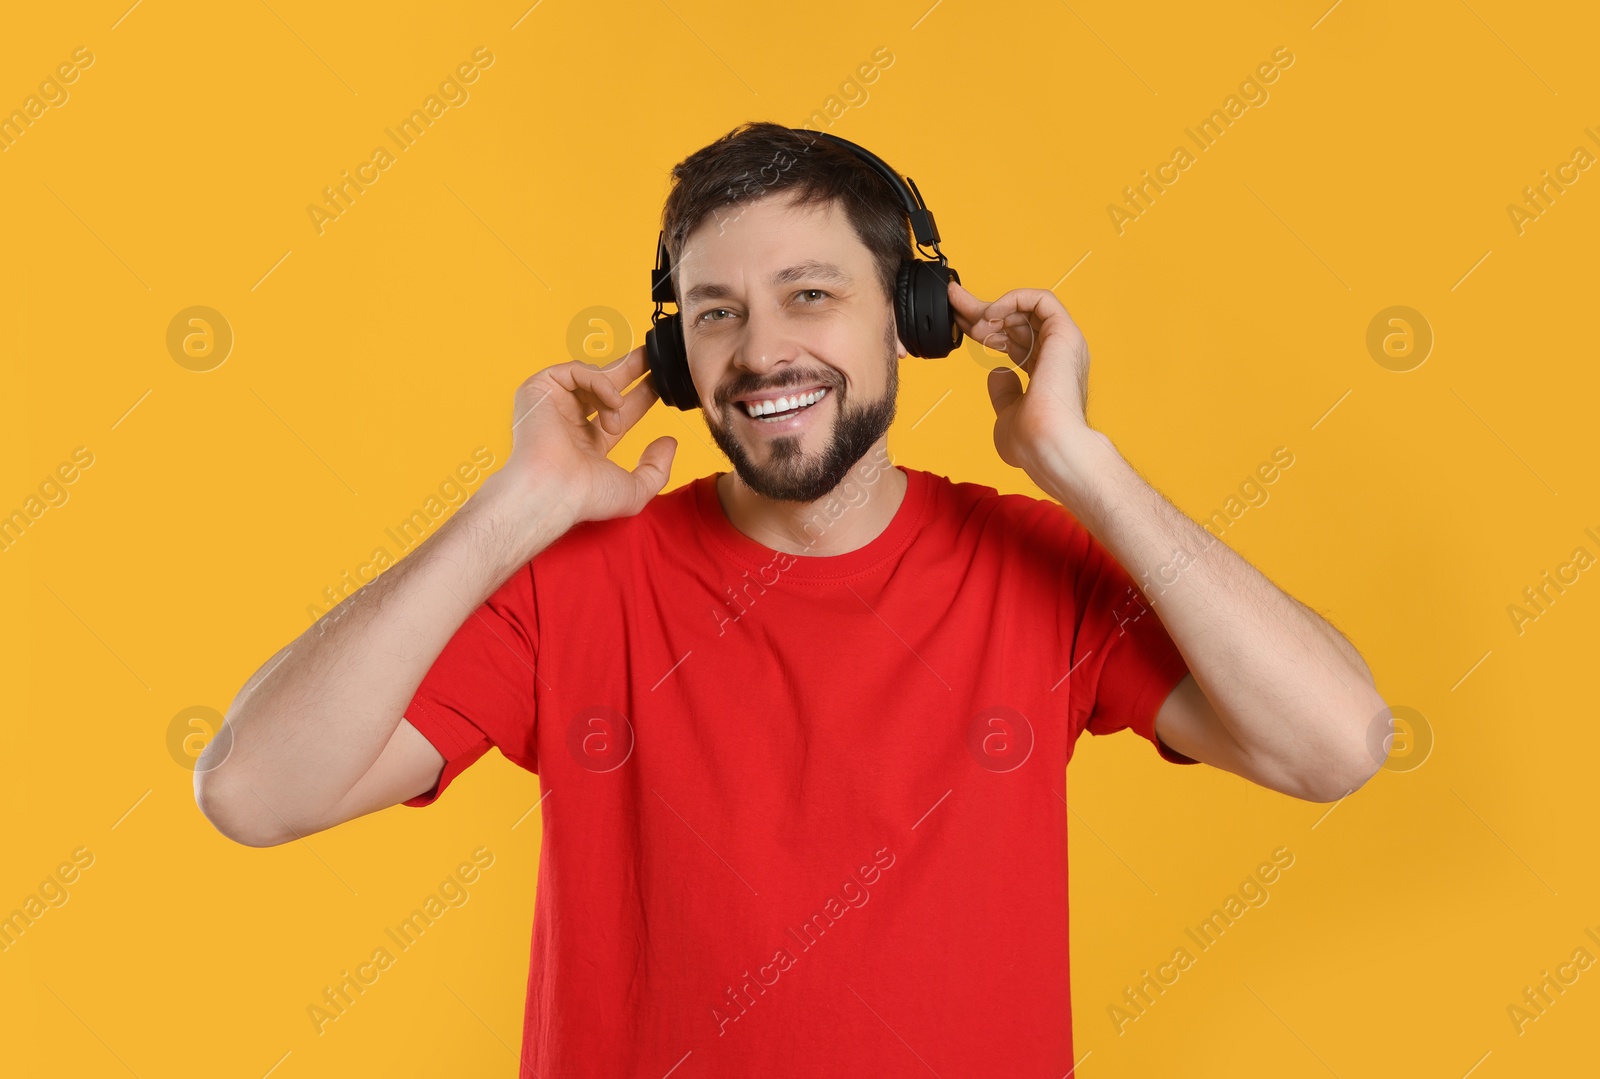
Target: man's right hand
(558,455)
(318,734)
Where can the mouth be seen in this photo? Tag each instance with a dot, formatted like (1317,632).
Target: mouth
(785,413)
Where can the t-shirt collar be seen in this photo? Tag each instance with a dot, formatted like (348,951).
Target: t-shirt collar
(888,544)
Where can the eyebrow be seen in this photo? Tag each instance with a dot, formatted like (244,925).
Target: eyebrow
(810,270)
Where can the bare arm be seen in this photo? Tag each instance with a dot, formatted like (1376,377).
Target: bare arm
(1275,694)
(317,735)
(318,715)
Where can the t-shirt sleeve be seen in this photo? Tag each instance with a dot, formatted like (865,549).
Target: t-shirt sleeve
(480,690)
(1125,663)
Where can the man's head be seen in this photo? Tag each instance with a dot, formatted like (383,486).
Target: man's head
(785,249)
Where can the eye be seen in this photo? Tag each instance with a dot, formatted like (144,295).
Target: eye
(818,291)
(713,311)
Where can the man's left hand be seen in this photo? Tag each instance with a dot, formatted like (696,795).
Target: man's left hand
(1033,429)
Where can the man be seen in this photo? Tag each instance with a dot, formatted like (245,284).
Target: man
(801,728)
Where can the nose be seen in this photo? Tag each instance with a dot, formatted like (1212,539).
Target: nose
(766,344)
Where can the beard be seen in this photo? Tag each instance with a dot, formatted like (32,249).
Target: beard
(790,475)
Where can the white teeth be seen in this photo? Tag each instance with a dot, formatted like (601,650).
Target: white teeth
(783,404)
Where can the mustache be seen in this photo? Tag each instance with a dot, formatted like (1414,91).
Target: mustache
(741,389)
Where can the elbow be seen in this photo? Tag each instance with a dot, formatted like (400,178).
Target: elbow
(226,798)
(222,808)
(1346,769)
(1337,781)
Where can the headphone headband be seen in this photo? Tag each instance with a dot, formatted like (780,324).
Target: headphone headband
(922,224)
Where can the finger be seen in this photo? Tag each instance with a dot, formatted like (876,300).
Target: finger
(1015,333)
(604,383)
(653,469)
(1020,344)
(592,408)
(982,321)
(624,371)
(1040,305)
(966,324)
(604,417)
(1015,318)
(635,403)
(1004,388)
(576,377)
(996,333)
(1015,337)
(597,383)
(970,312)
(965,304)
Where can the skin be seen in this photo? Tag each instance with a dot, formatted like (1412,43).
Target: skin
(756,336)
(1276,694)
(317,736)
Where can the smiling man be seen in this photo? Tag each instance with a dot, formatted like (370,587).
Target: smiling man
(797,452)
(801,728)
(801,355)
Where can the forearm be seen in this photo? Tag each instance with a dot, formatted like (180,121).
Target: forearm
(1293,693)
(315,717)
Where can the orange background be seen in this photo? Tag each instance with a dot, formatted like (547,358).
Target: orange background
(373,357)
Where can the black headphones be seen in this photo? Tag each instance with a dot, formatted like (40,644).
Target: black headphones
(922,312)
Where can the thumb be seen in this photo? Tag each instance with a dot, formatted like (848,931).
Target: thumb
(1004,388)
(653,470)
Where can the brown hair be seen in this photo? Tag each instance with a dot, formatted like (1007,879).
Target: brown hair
(758,158)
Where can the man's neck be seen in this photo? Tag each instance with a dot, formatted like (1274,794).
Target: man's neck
(862,506)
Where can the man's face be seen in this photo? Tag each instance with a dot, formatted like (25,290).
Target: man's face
(781,301)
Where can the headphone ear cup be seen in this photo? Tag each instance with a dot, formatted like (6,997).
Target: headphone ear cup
(924,289)
(905,319)
(669,364)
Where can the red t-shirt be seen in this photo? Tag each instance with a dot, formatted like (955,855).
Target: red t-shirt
(803,816)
